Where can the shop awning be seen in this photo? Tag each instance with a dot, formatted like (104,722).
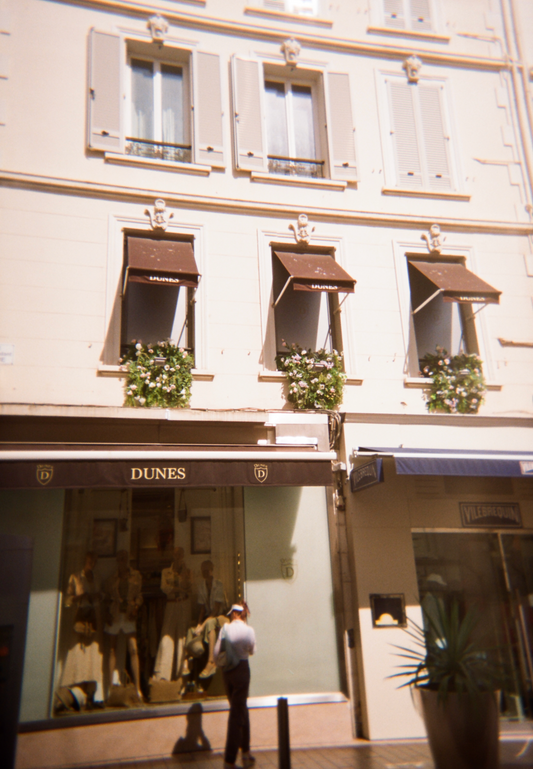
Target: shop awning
(315,272)
(73,467)
(161,262)
(456,283)
(506,464)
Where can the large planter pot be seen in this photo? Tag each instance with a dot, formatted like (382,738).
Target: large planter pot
(462,732)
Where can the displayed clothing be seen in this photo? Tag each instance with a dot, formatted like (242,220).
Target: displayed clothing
(209,598)
(124,596)
(170,653)
(84,659)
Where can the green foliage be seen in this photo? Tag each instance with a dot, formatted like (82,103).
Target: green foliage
(458,384)
(316,379)
(446,658)
(158,375)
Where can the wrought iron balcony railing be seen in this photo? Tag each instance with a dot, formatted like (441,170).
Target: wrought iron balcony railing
(313,169)
(144,148)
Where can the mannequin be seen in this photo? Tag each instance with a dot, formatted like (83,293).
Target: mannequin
(123,599)
(176,584)
(83,663)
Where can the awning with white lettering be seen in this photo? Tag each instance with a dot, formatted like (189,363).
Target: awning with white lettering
(109,467)
(456,283)
(507,464)
(161,262)
(314,272)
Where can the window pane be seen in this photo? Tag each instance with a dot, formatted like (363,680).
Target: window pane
(142,107)
(304,134)
(150,312)
(289,585)
(127,555)
(276,119)
(172,104)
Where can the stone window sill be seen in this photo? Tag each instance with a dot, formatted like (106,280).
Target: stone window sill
(167,165)
(279,376)
(425,193)
(430,36)
(421,383)
(120,371)
(300,181)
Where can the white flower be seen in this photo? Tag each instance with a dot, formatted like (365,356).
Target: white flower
(142,401)
(152,384)
(138,346)
(167,367)
(303,385)
(133,387)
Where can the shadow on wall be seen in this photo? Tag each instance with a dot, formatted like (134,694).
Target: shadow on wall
(194,739)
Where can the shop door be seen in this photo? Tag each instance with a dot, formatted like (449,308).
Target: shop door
(494,573)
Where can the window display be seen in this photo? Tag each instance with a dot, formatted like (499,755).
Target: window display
(147,578)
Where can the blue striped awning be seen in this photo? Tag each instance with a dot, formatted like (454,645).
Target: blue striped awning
(507,464)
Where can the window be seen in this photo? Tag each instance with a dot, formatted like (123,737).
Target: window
(414,15)
(421,152)
(160,280)
(443,295)
(157,120)
(166,555)
(158,127)
(290,130)
(278,121)
(306,288)
(301,7)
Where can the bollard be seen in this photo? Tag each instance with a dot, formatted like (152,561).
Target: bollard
(284,743)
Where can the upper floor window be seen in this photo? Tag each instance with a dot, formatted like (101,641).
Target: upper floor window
(417,137)
(293,125)
(301,7)
(290,129)
(413,15)
(159,282)
(145,106)
(306,287)
(443,294)
(159,116)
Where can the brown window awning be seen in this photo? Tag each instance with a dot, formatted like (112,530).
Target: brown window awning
(161,262)
(456,283)
(315,272)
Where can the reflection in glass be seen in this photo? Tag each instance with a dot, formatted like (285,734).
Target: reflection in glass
(494,574)
(172,104)
(142,101)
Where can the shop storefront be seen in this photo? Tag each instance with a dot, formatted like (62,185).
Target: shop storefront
(129,541)
(455,526)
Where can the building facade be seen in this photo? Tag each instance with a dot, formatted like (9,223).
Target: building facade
(347,176)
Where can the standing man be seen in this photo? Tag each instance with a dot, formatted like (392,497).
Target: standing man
(176,584)
(241,638)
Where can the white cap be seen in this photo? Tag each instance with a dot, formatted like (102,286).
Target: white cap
(235,607)
(438,579)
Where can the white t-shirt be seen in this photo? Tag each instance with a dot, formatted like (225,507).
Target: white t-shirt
(215,596)
(241,636)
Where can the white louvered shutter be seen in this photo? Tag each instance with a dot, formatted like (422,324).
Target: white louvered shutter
(207,109)
(404,135)
(250,154)
(393,15)
(105,92)
(421,15)
(435,139)
(341,128)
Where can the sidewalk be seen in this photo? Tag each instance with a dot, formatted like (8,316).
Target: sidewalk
(515,751)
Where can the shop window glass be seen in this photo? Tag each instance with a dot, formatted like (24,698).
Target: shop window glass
(289,584)
(493,573)
(135,563)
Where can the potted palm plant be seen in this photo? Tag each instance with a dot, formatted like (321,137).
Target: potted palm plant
(457,681)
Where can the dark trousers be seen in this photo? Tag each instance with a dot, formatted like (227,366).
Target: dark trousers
(237,683)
